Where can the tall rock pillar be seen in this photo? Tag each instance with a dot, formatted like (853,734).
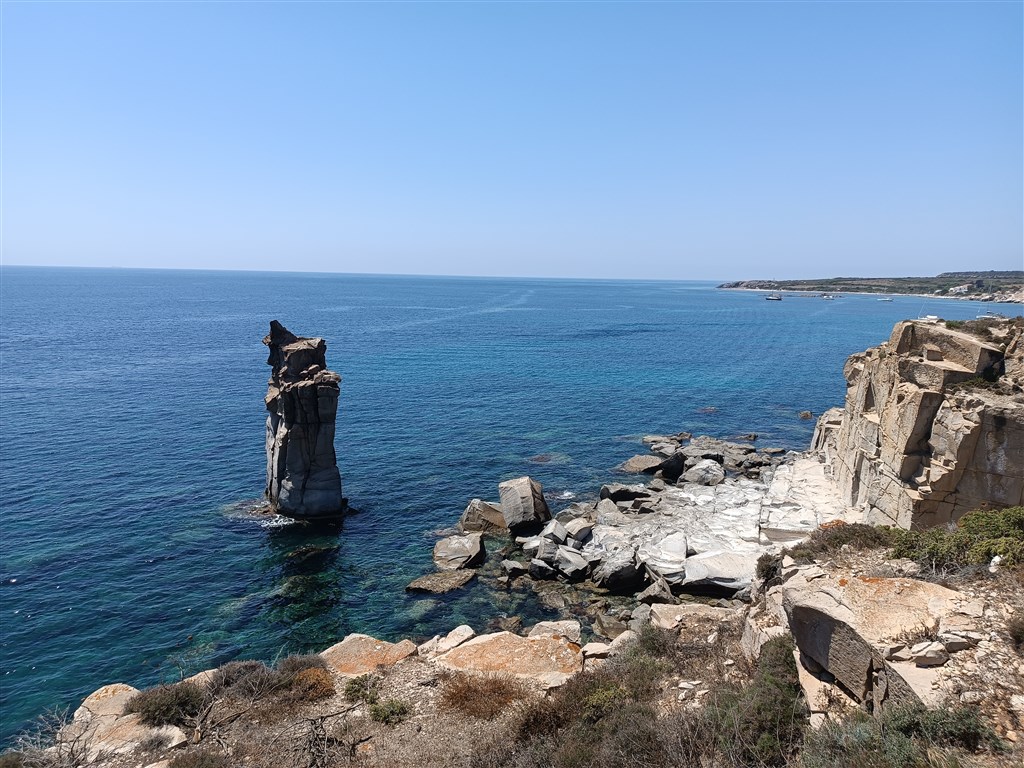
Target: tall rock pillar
(302,403)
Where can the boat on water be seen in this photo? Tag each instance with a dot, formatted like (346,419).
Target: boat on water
(991,316)
(773,297)
(885,298)
(827,296)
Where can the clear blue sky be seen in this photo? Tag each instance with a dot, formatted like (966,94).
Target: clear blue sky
(662,140)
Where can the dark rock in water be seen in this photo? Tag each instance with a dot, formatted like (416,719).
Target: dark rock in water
(672,467)
(806,415)
(707,409)
(523,505)
(483,517)
(619,492)
(513,567)
(541,570)
(439,583)
(540,458)
(302,403)
(751,436)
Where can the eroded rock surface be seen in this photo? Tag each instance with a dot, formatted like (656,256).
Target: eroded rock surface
(302,404)
(922,438)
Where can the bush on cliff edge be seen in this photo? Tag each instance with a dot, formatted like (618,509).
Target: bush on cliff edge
(978,537)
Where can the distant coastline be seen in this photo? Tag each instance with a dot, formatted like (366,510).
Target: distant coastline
(1001,287)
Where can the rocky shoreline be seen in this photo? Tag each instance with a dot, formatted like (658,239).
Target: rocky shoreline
(700,548)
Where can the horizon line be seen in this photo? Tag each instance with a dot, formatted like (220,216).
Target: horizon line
(484,277)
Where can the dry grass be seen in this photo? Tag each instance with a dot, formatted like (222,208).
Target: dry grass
(481,696)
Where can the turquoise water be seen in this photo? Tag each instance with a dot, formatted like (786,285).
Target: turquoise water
(131,410)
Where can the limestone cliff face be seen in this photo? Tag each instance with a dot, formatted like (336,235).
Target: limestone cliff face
(919,442)
(302,403)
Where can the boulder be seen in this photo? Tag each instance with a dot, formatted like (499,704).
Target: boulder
(361,654)
(568,629)
(554,531)
(618,492)
(641,463)
(455,638)
(674,616)
(929,654)
(538,569)
(579,529)
(705,472)
(522,504)
(846,625)
(596,650)
(481,517)
(302,404)
(101,724)
(513,568)
(571,563)
(618,572)
(454,552)
(608,626)
(547,661)
(439,583)
(719,570)
(665,556)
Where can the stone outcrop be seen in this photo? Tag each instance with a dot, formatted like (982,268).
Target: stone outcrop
(857,629)
(362,654)
(522,504)
(302,403)
(923,438)
(102,727)
(548,660)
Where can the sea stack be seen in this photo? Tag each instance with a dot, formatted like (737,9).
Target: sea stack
(302,402)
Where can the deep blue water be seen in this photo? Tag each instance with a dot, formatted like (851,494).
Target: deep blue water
(131,412)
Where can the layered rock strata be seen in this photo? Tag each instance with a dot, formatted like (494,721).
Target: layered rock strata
(933,425)
(302,403)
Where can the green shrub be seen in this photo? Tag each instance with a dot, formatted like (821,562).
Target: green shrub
(977,538)
(390,712)
(763,723)
(959,727)
(769,567)
(365,688)
(199,759)
(168,704)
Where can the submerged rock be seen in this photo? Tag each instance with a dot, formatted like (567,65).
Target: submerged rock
(302,403)
(439,583)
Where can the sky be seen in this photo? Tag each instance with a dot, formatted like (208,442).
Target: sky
(719,140)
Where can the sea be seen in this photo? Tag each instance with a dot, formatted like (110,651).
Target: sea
(132,456)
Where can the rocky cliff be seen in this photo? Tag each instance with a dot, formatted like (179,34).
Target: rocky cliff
(933,424)
(302,403)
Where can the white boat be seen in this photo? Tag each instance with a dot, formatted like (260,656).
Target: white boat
(885,298)
(773,297)
(991,316)
(827,296)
